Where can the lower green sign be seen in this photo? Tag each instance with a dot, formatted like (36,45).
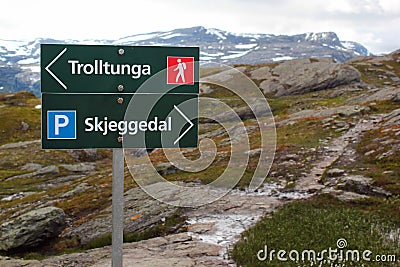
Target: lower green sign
(75,121)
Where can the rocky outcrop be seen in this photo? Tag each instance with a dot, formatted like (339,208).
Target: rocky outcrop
(32,228)
(80,167)
(304,75)
(255,110)
(145,210)
(361,185)
(393,117)
(51,169)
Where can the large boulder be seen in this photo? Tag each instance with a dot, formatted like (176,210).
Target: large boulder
(305,75)
(32,228)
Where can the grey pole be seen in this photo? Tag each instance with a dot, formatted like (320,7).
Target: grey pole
(117,206)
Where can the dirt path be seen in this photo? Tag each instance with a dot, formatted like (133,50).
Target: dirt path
(332,152)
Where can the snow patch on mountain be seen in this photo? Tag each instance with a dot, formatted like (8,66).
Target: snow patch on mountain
(216,32)
(235,54)
(282,58)
(245,46)
(172,35)
(135,38)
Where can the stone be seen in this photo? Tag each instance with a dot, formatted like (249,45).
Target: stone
(166,168)
(369,153)
(271,86)
(80,188)
(201,228)
(341,129)
(20,144)
(205,89)
(350,196)
(335,172)
(85,155)
(327,120)
(254,152)
(393,118)
(31,167)
(24,126)
(303,75)
(347,111)
(260,73)
(361,185)
(256,109)
(138,152)
(14,196)
(396,97)
(340,124)
(395,79)
(292,157)
(80,167)
(51,169)
(32,228)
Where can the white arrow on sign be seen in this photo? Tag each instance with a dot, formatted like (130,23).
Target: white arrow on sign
(51,73)
(186,118)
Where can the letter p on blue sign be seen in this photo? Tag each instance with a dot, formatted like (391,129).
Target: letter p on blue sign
(61,124)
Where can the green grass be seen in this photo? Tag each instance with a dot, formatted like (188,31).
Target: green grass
(383,107)
(291,104)
(11,118)
(305,133)
(4,174)
(317,224)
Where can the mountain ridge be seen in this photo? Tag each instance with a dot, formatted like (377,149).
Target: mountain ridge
(19,60)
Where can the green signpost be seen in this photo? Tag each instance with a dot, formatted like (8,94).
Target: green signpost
(80,82)
(113,69)
(100,121)
(97,96)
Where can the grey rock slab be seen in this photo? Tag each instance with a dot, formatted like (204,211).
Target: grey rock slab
(304,75)
(80,188)
(262,73)
(80,167)
(51,169)
(335,172)
(361,185)
(20,144)
(31,167)
(32,228)
(136,202)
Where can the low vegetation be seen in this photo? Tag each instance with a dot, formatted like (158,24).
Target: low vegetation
(317,224)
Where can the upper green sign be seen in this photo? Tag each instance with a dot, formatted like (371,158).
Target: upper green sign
(119,69)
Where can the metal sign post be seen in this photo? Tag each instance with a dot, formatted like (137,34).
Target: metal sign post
(117,206)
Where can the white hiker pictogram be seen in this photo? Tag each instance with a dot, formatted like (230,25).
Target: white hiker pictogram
(181,70)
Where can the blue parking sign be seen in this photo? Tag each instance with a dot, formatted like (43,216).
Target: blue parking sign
(61,124)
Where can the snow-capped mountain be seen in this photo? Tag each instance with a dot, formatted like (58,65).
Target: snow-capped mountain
(19,60)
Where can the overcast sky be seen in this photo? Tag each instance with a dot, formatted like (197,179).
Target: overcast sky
(373,23)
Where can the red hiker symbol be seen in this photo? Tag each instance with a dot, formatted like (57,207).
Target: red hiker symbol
(180,70)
